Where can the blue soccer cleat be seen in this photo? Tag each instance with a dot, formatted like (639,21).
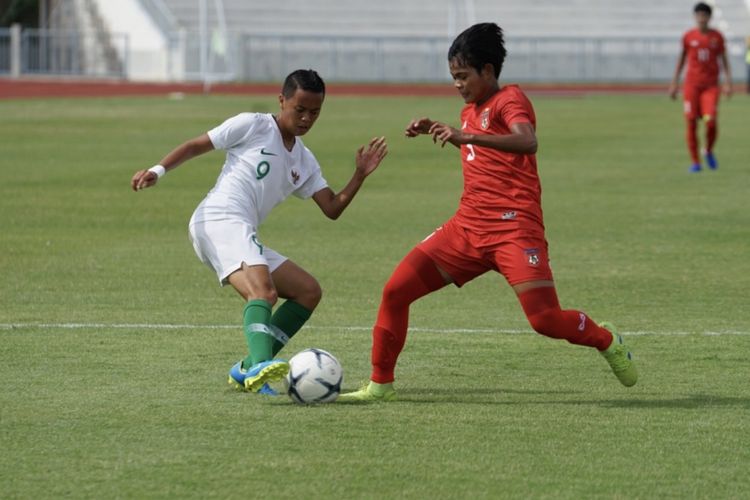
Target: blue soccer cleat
(694,168)
(267,390)
(266,371)
(713,164)
(237,376)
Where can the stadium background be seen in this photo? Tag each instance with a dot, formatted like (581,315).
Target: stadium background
(354,41)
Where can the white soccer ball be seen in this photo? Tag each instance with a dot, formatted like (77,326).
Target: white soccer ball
(314,376)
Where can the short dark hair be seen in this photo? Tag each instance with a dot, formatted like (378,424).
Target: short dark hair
(702,7)
(479,45)
(305,79)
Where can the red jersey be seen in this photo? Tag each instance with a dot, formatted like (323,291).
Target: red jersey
(501,190)
(703,51)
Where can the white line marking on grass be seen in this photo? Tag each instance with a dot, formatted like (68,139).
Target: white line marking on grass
(186,326)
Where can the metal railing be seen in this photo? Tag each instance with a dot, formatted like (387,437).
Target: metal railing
(5,54)
(56,52)
(250,57)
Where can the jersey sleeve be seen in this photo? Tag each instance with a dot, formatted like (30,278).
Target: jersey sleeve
(516,109)
(315,181)
(233,131)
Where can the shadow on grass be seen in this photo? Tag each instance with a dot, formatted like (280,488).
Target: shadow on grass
(695,401)
(566,397)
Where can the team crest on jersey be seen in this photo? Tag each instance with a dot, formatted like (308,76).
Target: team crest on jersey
(295,177)
(485,118)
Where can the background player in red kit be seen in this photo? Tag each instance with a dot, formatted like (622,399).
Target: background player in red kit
(702,48)
(498,225)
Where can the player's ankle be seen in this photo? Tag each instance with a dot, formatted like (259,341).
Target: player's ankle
(380,389)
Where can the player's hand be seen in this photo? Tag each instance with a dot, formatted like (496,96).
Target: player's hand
(418,126)
(369,157)
(445,133)
(143,179)
(673,91)
(727,89)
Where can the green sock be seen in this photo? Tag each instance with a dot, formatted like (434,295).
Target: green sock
(286,321)
(257,317)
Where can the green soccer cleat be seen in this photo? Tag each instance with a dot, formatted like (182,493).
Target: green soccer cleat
(370,393)
(619,358)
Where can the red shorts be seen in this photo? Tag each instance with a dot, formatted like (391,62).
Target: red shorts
(700,102)
(518,255)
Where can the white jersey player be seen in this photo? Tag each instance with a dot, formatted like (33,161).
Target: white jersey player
(266,162)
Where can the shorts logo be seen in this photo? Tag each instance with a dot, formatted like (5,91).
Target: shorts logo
(485,118)
(582,324)
(295,177)
(509,215)
(533,256)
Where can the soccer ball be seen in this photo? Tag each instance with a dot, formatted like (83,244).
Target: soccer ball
(314,376)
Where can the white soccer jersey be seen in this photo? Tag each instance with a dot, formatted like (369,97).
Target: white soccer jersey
(259,172)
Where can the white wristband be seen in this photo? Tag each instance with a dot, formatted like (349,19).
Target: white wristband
(158,170)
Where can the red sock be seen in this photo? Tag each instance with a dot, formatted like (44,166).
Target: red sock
(712,130)
(692,140)
(414,277)
(545,316)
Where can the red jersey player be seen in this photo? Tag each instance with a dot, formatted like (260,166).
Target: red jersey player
(498,225)
(702,48)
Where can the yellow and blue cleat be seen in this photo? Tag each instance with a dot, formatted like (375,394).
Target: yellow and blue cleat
(620,358)
(266,371)
(237,376)
(370,393)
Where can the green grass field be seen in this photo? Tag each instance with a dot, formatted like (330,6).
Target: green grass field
(115,340)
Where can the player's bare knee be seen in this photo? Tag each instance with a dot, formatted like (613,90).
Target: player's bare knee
(272,296)
(268,294)
(311,294)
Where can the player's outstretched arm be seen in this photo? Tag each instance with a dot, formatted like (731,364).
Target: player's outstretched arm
(182,153)
(677,72)
(442,133)
(418,126)
(521,140)
(439,131)
(727,75)
(367,160)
